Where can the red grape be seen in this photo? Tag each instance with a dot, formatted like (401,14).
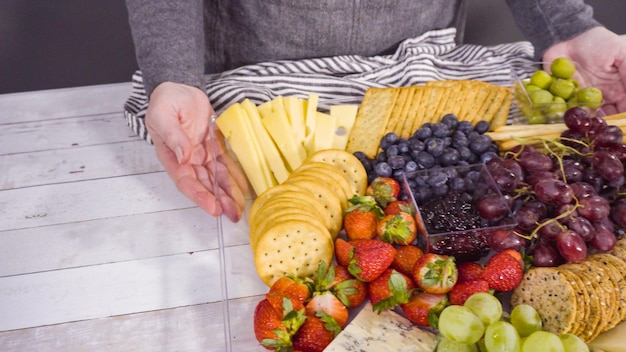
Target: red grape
(607,165)
(532,162)
(502,239)
(618,212)
(608,135)
(492,207)
(552,191)
(545,255)
(582,189)
(594,208)
(571,246)
(583,227)
(550,229)
(577,119)
(604,239)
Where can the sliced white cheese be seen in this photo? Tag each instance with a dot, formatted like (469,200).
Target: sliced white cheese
(310,122)
(295,112)
(345,115)
(236,128)
(387,331)
(613,340)
(274,118)
(275,161)
(325,126)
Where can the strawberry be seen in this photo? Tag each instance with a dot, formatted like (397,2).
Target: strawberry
(390,289)
(274,328)
(328,303)
(347,288)
(398,206)
(291,287)
(469,271)
(397,229)
(513,253)
(370,259)
(405,258)
(423,308)
(435,273)
(503,272)
(360,219)
(343,251)
(317,332)
(462,290)
(277,301)
(384,189)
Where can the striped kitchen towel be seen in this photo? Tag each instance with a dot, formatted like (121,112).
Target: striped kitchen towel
(344,79)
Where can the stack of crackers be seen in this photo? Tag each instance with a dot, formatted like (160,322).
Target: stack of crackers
(584,299)
(404,109)
(293,225)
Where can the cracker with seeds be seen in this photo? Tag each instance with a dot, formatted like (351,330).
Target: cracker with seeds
(596,301)
(582,299)
(551,294)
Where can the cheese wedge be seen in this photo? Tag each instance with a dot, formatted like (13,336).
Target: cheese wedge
(294,107)
(271,153)
(325,127)
(613,340)
(235,126)
(345,115)
(274,118)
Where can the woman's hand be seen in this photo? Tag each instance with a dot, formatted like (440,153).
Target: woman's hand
(178,119)
(602,55)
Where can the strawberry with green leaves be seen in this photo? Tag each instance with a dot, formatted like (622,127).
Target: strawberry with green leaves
(274,328)
(398,206)
(369,258)
(397,228)
(405,258)
(361,218)
(390,289)
(324,299)
(291,287)
(347,288)
(423,308)
(317,332)
(384,189)
(435,273)
(469,271)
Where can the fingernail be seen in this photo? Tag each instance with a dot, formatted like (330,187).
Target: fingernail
(179,154)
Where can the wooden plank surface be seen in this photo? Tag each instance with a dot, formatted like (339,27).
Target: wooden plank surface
(98,250)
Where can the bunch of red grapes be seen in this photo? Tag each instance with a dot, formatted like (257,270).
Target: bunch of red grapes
(568,197)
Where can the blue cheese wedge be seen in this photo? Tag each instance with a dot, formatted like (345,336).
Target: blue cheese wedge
(387,331)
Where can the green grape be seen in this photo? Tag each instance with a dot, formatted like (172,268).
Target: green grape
(525,319)
(542,341)
(590,96)
(502,337)
(531,88)
(558,106)
(573,343)
(536,117)
(540,97)
(459,324)
(541,79)
(562,88)
(486,307)
(562,68)
(446,345)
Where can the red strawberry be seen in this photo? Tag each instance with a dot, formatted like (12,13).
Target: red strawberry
(360,220)
(390,289)
(292,288)
(384,189)
(435,273)
(513,253)
(315,334)
(462,290)
(405,258)
(424,308)
(398,206)
(347,288)
(397,229)
(343,251)
(277,301)
(328,303)
(503,272)
(469,271)
(273,328)
(370,259)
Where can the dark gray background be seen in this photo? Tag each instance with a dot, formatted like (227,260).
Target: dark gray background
(46,44)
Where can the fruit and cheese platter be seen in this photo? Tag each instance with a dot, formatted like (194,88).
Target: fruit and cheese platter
(423,219)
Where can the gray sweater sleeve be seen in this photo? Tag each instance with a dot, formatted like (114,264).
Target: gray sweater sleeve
(547,22)
(169,40)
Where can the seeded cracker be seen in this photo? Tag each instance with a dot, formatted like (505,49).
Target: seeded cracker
(371,121)
(620,271)
(596,301)
(582,299)
(614,277)
(550,293)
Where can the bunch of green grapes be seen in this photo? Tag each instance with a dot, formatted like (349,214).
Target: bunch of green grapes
(552,93)
(479,325)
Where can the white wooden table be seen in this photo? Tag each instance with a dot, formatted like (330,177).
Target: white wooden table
(98,250)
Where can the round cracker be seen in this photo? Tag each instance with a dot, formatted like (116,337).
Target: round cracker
(291,248)
(614,279)
(620,270)
(330,170)
(330,200)
(322,181)
(349,164)
(596,296)
(297,195)
(550,293)
(582,299)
